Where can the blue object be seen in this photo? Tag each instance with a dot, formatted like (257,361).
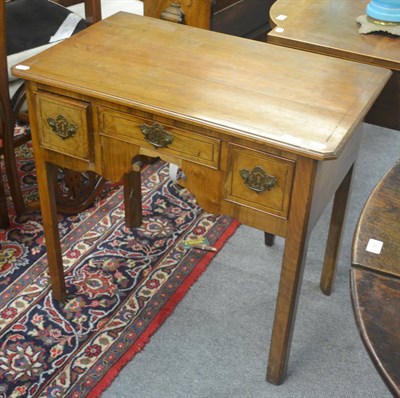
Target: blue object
(384,10)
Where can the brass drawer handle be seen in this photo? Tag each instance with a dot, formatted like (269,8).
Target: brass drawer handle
(156,135)
(258,180)
(62,127)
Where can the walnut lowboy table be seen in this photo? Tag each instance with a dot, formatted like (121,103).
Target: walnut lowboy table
(264,134)
(329,27)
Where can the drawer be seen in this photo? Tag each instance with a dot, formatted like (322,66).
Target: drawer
(64,125)
(259,180)
(162,138)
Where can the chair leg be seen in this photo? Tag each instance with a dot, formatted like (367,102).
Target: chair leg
(13,177)
(4,220)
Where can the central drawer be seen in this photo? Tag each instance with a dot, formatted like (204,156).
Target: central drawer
(163,138)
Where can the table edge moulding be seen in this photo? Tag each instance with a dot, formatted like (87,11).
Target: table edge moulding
(264,134)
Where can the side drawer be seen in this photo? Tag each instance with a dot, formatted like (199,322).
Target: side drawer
(64,125)
(182,143)
(259,180)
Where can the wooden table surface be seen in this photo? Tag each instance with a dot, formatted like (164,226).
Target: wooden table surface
(236,115)
(329,27)
(211,84)
(375,277)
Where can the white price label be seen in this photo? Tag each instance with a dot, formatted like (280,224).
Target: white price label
(374,246)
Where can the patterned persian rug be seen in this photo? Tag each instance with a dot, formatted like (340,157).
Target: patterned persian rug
(122,285)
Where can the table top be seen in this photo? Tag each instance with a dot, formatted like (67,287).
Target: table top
(293,100)
(375,277)
(378,229)
(376,303)
(329,27)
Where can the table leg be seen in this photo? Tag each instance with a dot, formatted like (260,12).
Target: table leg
(46,176)
(269,239)
(133,195)
(335,234)
(133,191)
(291,274)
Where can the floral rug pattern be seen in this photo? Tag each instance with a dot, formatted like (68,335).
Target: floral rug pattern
(121,285)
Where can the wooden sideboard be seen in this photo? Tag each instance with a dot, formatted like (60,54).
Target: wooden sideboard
(244,18)
(263,133)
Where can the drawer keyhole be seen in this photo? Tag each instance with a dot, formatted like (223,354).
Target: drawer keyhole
(258,180)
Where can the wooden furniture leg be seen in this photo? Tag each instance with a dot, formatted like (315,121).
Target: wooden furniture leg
(11,170)
(335,234)
(269,239)
(7,123)
(46,177)
(93,11)
(291,274)
(4,220)
(133,196)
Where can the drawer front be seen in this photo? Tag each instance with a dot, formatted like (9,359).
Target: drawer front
(259,180)
(163,138)
(64,125)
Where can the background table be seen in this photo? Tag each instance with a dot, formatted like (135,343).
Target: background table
(329,27)
(375,277)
